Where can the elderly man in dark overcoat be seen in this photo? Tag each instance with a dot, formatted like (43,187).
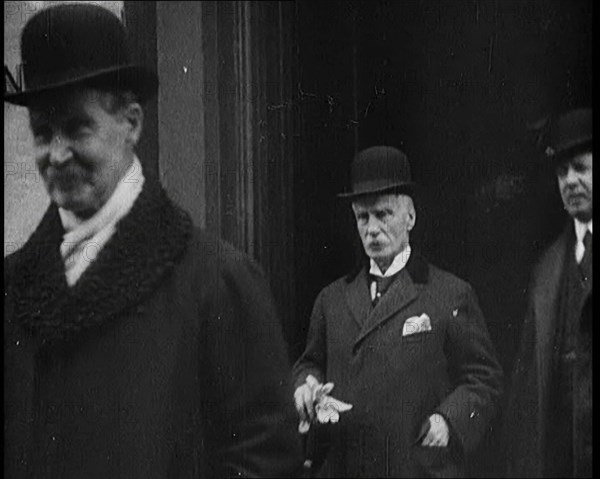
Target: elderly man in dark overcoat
(403,342)
(135,345)
(549,417)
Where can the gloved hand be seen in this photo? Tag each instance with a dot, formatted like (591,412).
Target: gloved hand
(439,432)
(313,397)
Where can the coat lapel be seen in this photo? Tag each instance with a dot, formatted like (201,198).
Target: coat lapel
(146,245)
(400,295)
(546,304)
(358,298)
(547,297)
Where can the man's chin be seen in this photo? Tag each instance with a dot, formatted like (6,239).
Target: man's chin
(79,206)
(582,215)
(581,212)
(378,256)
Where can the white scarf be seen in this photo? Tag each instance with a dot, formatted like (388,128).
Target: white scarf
(84,239)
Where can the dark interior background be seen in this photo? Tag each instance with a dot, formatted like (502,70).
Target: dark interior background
(457,86)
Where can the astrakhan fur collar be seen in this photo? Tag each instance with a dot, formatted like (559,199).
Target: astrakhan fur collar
(146,245)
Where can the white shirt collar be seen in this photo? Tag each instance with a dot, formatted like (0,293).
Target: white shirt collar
(581,228)
(397,265)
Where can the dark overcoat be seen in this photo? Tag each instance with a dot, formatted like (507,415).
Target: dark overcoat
(396,382)
(165,360)
(526,417)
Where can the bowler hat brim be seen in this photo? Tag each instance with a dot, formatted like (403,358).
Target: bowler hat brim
(141,80)
(571,150)
(407,188)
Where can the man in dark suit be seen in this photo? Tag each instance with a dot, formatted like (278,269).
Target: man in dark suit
(549,416)
(402,341)
(135,345)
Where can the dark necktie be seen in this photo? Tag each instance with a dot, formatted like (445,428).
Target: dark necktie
(383,283)
(585,265)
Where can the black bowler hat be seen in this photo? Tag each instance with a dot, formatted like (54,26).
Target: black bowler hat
(380,169)
(569,134)
(71,44)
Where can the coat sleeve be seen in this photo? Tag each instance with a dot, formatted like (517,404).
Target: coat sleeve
(251,420)
(314,358)
(474,370)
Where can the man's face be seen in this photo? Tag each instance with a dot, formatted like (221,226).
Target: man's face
(575,184)
(383,223)
(81,149)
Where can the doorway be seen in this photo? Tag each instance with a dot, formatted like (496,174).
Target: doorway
(456,86)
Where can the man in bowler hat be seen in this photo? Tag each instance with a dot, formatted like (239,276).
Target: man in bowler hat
(549,416)
(403,342)
(135,345)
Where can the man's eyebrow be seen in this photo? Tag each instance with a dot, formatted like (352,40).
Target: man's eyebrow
(383,208)
(78,119)
(580,165)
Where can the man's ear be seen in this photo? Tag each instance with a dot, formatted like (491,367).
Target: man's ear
(412,215)
(134,115)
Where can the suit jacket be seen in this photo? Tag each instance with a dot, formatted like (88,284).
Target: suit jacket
(165,359)
(396,382)
(531,385)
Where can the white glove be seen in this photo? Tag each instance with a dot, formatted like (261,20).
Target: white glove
(313,397)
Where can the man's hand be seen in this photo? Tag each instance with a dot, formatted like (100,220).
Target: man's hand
(312,398)
(438,434)
(303,398)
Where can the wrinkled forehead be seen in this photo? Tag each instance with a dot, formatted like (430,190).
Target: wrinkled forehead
(580,159)
(380,202)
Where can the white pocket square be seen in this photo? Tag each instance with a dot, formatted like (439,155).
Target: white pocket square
(416,324)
